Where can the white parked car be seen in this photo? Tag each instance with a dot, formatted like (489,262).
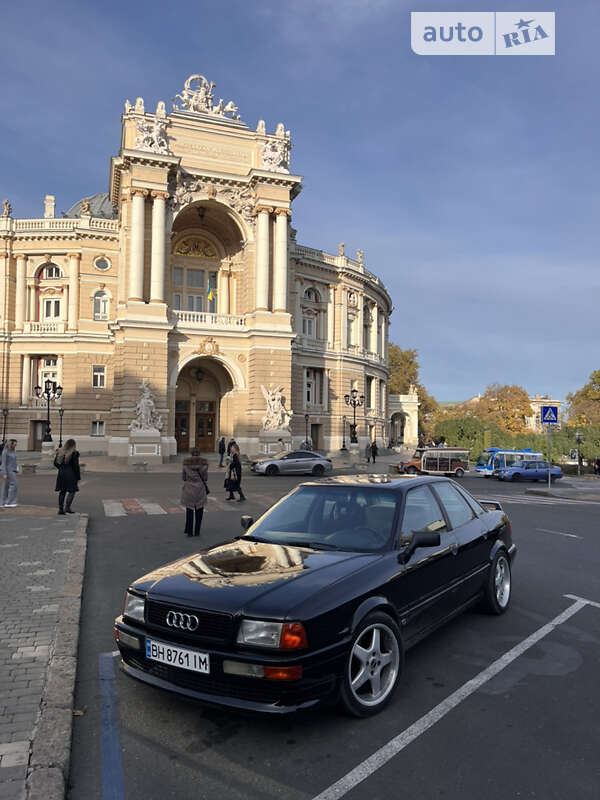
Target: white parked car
(298,462)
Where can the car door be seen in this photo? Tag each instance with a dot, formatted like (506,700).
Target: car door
(419,590)
(287,464)
(470,530)
(534,471)
(542,470)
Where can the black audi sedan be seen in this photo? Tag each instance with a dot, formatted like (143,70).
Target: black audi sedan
(320,598)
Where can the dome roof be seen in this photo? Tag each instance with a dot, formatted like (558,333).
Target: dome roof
(100,206)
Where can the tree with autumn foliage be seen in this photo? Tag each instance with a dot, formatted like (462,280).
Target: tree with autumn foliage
(506,406)
(583,406)
(404,366)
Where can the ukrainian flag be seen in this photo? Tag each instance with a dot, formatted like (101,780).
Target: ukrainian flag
(210,295)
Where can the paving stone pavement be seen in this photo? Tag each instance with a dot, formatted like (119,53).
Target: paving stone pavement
(42,559)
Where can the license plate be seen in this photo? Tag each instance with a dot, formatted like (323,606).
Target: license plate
(177,656)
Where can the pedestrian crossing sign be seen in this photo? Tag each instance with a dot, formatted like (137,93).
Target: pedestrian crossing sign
(550,415)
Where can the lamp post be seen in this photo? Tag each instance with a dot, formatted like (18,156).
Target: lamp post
(579,440)
(306,418)
(354,401)
(61,411)
(5,415)
(51,391)
(344,433)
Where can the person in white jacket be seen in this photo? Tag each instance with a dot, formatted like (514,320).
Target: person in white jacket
(9,471)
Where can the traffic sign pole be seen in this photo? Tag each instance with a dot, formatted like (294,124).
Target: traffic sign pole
(549,459)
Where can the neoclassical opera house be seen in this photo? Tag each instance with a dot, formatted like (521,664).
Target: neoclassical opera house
(185,283)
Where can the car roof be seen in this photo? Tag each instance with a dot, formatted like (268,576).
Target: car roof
(381,481)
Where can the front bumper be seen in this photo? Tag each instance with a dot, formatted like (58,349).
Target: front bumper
(319,682)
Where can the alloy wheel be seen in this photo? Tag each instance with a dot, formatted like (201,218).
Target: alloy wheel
(373,665)
(502,582)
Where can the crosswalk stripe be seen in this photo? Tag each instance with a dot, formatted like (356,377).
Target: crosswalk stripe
(151,508)
(113,508)
(533,500)
(132,506)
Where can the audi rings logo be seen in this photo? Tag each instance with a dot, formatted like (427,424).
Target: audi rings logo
(186,622)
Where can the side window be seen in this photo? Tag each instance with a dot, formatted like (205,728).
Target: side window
(457,509)
(477,508)
(421,512)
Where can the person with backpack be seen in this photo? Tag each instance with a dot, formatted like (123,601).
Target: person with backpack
(194,492)
(66,462)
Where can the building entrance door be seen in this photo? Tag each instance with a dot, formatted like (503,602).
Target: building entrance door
(37,434)
(315,435)
(205,432)
(182,432)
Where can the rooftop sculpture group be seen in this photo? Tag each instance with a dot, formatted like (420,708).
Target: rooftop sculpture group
(197,96)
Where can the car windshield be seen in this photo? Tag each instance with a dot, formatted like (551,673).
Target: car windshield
(483,459)
(354,518)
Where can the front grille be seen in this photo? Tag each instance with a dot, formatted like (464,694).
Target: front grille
(212,624)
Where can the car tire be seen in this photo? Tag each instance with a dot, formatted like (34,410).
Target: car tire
(272,470)
(516,477)
(318,470)
(376,638)
(459,473)
(411,470)
(499,585)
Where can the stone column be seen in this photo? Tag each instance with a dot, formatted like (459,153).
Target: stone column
(136,254)
(361,321)
(74,261)
(262,258)
(298,307)
(384,334)
(32,302)
(325,390)
(158,254)
(26,381)
(280,261)
(223,291)
(344,320)
(21,291)
(64,304)
(331,316)
(374,322)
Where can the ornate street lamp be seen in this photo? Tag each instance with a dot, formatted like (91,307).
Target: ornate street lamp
(5,415)
(51,391)
(354,401)
(344,433)
(579,440)
(306,418)
(61,411)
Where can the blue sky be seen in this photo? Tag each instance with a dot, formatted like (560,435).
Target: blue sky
(471,183)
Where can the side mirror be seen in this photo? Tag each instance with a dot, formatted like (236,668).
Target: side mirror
(246,521)
(419,539)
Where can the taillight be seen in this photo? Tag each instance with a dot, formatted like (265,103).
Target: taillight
(293,636)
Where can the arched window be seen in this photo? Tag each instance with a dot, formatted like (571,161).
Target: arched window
(101,302)
(50,272)
(312,295)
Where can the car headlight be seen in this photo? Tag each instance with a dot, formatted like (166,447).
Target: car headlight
(134,607)
(280,635)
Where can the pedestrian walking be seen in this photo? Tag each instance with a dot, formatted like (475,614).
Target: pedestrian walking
(374,450)
(66,462)
(195,490)
(368,452)
(9,469)
(231,443)
(222,450)
(2,446)
(597,466)
(233,481)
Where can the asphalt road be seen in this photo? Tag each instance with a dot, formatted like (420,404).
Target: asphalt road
(529,731)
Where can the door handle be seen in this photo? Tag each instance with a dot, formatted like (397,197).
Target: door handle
(454,549)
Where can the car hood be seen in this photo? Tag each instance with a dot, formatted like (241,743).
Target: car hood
(250,577)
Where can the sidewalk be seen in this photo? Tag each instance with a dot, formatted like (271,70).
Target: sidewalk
(586,489)
(43,560)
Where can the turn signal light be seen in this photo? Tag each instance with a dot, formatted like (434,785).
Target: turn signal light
(283,673)
(293,636)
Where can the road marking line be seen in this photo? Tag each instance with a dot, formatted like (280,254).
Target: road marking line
(110,740)
(113,508)
(132,506)
(589,602)
(398,743)
(559,533)
(151,508)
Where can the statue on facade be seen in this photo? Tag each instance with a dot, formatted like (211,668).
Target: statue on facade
(276,155)
(6,208)
(152,136)
(146,416)
(341,248)
(197,96)
(360,256)
(277,417)
(85,209)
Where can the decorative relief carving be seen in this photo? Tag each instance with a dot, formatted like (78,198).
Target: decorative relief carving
(352,299)
(207,347)
(197,96)
(188,189)
(277,417)
(276,154)
(195,246)
(241,358)
(152,136)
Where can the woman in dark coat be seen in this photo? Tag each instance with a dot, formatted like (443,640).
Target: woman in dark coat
(234,475)
(66,462)
(194,491)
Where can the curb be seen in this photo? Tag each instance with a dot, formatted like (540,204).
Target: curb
(48,771)
(546,493)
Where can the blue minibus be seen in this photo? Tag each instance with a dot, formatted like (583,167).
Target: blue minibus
(495,458)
